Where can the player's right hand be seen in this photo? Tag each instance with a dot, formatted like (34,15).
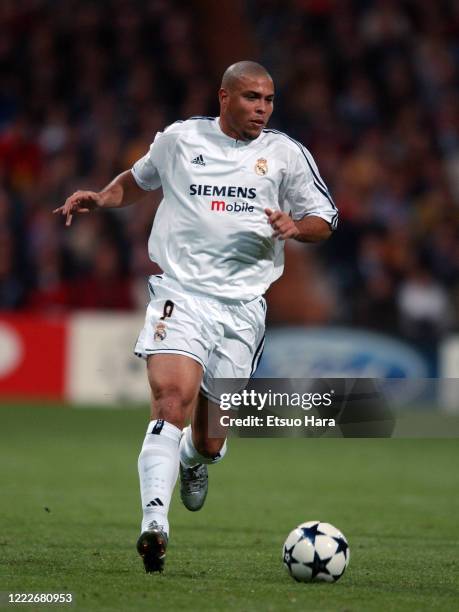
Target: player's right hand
(79,202)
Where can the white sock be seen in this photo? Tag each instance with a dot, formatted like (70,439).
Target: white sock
(190,457)
(158,470)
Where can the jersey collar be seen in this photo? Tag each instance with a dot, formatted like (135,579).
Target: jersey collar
(233,141)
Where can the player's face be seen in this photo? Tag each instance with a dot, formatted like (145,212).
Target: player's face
(247,107)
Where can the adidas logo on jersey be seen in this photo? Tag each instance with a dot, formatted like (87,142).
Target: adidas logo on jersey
(199,160)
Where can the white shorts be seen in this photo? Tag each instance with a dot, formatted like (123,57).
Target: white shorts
(226,338)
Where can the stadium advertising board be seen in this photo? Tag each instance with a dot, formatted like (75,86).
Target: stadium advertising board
(338,353)
(33,357)
(449,372)
(101,367)
(82,358)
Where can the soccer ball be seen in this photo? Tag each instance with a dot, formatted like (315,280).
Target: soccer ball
(316,551)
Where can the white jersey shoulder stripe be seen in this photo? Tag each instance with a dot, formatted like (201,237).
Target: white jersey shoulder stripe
(304,151)
(318,181)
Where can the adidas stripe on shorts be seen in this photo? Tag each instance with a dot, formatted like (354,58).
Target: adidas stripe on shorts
(225,337)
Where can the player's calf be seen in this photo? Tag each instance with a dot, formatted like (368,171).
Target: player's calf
(212,449)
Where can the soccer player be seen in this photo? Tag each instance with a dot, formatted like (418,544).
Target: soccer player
(234,191)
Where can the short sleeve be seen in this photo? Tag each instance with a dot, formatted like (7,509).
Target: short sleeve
(146,170)
(306,193)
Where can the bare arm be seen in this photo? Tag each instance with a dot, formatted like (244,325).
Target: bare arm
(122,191)
(307,229)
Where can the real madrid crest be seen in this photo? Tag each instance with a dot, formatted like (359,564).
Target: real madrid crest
(160,331)
(261,167)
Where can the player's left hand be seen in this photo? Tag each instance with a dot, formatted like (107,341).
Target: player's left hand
(283,225)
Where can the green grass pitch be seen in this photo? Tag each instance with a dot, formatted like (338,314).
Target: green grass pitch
(69,519)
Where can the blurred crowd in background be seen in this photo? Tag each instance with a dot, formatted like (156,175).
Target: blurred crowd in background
(370,87)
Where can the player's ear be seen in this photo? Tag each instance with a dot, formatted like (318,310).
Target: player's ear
(223,96)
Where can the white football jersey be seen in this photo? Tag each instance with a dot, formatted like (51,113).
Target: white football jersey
(210,232)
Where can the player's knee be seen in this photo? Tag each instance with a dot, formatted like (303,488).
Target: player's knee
(171,403)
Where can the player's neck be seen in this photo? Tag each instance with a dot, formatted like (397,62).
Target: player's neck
(228,130)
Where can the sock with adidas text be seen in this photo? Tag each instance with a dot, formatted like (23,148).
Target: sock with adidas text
(158,470)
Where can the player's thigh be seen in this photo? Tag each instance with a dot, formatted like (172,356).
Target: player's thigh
(230,366)
(174,381)
(237,353)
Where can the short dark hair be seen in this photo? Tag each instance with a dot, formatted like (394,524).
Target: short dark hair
(240,69)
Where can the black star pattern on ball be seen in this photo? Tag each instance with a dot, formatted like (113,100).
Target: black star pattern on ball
(318,565)
(289,559)
(310,533)
(342,546)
